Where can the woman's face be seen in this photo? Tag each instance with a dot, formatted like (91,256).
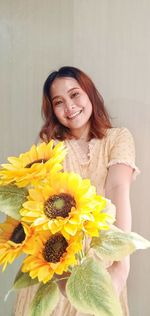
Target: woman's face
(71,105)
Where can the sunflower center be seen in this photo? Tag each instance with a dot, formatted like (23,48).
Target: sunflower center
(55,248)
(59,205)
(18,234)
(29,165)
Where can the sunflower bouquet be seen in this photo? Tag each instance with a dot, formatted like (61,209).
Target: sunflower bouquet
(65,231)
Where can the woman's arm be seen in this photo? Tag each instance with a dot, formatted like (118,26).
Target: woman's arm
(117,189)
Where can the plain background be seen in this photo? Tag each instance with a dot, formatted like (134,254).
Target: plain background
(110,41)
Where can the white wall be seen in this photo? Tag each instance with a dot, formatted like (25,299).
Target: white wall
(108,39)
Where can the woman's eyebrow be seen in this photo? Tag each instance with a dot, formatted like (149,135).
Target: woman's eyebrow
(73,89)
(56,96)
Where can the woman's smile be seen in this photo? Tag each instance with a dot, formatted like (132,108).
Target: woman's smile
(71,105)
(74,115)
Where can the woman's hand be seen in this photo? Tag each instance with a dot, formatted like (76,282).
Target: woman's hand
(119,273)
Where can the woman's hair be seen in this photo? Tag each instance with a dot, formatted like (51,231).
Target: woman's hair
(52,128)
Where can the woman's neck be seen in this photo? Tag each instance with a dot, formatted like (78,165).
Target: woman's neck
(82,133)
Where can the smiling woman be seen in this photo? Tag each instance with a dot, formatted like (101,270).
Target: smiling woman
(74,111)
(71,102)
(71,105)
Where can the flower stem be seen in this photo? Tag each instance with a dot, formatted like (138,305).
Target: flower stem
(57,280)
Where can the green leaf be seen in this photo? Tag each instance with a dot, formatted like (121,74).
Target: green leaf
(139,241)
(115,244)
(22,280)
(11,200)
(45,300)
(90,290)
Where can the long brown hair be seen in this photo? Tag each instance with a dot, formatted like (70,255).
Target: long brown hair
(52,128)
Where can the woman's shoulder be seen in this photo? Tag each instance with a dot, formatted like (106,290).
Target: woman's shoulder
(114,131)
(116,134)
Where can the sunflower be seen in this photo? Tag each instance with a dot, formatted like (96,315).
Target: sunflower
(34,165)
(63,204)
(15,237)
(101,220)
(52,254)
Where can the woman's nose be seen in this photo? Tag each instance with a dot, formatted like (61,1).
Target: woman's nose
(69,105)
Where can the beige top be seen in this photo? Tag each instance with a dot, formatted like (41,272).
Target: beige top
(116,147)
(90,160)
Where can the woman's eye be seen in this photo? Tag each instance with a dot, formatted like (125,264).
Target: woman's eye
(75,94)
(59,102)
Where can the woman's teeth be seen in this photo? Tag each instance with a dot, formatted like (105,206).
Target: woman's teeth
(74,115)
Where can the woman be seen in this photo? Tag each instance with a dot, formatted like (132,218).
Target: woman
(73,111)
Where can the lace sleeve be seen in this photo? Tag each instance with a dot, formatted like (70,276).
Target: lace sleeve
(122,150)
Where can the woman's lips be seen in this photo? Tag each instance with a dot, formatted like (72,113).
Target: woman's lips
(72,116)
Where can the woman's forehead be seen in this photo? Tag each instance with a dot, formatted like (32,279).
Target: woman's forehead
(63,85)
